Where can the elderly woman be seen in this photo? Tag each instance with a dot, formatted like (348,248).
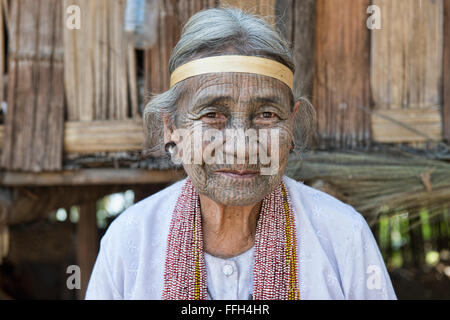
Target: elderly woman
(236,228)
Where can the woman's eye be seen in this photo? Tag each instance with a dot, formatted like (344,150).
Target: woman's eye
(267,115)
(214,116)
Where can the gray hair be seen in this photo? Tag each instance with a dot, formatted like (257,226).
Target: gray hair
(214,32)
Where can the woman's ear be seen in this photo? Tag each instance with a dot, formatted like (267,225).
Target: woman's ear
(296,107)
(168,129)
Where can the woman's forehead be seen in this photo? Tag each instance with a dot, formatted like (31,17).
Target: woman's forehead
(238,86)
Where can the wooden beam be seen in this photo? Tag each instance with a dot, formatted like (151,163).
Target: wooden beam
(87,243)
(99,136)
(90,177)
(405,125)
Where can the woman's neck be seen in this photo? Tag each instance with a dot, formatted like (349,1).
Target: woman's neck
(228,231)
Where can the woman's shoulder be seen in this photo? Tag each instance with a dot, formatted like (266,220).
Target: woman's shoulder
(321,206)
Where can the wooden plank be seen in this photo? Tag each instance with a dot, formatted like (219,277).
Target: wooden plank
(4,215)
(71,83)
(12,83)
(133,82)
(251,6)
(303,47)
(296,20)
(90,177)
(99,46)
(446,73)
(47,137)
(23,99)
(406,55)
(2,54)
(391,126)
(79,62)
(87,243)
(2,129)
(182,12)
(98,136)
(55,132)
(164,49)
(118,62)
(341,86)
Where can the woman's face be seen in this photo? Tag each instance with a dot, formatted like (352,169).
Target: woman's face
(235,103)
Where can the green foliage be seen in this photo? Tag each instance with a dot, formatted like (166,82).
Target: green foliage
(418,239)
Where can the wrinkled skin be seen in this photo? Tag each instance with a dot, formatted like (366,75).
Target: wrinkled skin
(235,100)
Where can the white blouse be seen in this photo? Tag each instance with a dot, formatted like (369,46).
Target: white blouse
(230,279)
(338,257)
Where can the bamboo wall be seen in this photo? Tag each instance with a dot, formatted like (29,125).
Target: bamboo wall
(388,85)
(34,121)
(97,64)
(173,14)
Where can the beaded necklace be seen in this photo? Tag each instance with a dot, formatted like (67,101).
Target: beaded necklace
(275,267)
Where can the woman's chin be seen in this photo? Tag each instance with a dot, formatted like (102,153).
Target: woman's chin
(240,194)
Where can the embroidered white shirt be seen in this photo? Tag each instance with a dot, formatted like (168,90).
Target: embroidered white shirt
(338,255)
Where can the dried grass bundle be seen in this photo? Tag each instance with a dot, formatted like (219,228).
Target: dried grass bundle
(378,183)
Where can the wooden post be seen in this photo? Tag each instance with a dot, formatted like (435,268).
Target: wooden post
(446,72)
(4,230)
(87,243)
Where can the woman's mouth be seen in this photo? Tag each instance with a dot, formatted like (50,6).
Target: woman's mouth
(238,174)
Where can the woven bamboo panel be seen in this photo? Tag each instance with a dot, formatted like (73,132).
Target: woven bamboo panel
(34,121)
(173,14)
(406,66)
(97,63)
